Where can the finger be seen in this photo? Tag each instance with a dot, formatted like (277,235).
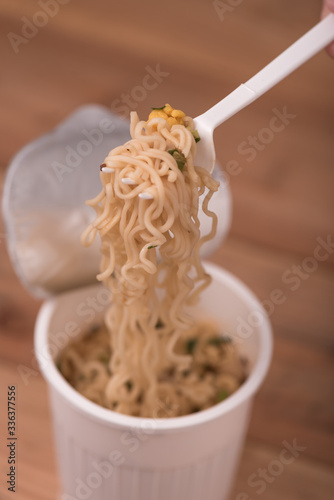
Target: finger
(327,9)
(329,5)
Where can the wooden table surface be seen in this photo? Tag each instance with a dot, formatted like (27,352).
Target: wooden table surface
(282,185)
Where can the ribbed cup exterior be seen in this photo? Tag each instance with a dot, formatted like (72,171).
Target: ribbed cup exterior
(99,462)
(103,455)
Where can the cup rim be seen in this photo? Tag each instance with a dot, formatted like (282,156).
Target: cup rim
(114,419)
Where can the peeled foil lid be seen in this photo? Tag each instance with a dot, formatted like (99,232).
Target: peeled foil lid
(44,196)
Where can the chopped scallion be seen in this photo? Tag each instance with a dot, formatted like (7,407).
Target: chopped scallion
(195,134)
(129,385)
(178,157)
(222,395)
(103,357)
(218,341)
(159,324)
(191,344)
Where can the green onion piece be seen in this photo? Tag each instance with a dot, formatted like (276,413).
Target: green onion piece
(218,341)
(151,246)
(191,344)
(178,157)
(103,357)
(195,134)
(158,109)
(222,395)
(159,324)
(94,328)
(129,385)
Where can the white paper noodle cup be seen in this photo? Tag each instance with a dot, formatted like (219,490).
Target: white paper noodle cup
(105,455)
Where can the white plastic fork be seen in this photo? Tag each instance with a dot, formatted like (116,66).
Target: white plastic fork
(297,54)
(301,51)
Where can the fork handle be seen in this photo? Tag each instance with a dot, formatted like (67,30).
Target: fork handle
(303,49)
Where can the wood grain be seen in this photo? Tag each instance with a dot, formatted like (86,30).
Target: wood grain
(283,200)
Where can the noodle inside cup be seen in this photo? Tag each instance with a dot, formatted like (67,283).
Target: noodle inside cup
(103,454)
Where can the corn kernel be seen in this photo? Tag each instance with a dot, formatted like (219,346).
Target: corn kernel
(157,114)
(168,109)
(172,121)
(177,113)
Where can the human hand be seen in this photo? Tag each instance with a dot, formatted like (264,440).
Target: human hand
(328,7)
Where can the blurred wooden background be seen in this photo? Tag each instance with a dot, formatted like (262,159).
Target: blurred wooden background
(283,198)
